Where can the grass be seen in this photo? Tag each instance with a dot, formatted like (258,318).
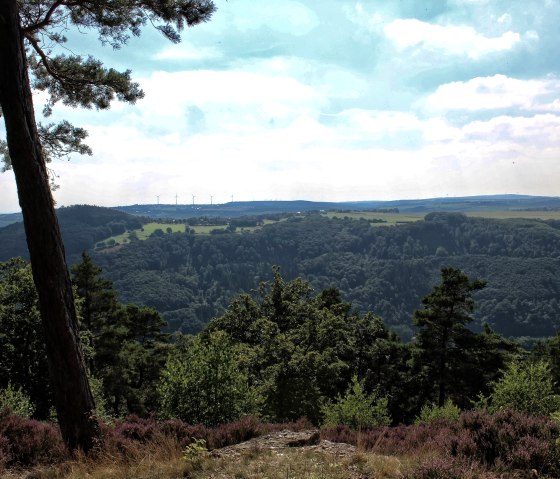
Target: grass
(388,219)
(391,219)
(145,232)
(503,215)
(298,463)
(205,230)
(167,463)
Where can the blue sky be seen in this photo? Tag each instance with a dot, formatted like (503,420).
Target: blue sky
(327,100)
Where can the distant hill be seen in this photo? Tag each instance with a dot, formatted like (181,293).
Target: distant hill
(256,208)
(260,208)
(82,226)
(9,218)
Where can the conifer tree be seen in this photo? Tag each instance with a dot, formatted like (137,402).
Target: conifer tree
(27,29)
(442,332)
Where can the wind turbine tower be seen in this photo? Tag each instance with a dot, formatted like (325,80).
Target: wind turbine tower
(157,196)
(193,197)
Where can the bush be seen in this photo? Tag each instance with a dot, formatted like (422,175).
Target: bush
(356,409)
(442,468)
(527,387)
(507,441)
(432,413)
(16,401)
(511,439)
(204,383)
(235,432)
(26,442)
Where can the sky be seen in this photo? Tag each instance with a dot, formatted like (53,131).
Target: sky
(329,100)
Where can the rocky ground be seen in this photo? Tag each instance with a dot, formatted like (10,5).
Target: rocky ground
(308,440)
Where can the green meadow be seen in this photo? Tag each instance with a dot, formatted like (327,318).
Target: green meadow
(145,232)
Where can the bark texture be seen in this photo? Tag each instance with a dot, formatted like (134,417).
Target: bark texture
(73,399)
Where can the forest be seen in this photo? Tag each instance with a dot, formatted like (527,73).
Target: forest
(191,279)
(385,270)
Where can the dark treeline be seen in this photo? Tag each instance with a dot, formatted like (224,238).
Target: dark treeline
(384,270)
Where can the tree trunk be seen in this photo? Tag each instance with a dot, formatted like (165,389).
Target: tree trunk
(72,395)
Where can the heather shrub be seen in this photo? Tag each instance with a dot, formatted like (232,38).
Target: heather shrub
(414,439)
(136,428)
(431,413)
(505,441)
(16,401)
(5,456)
(510,440)
(356,409)
(26,442)
(445,467)
(182,432)
(340,433)
(235,432)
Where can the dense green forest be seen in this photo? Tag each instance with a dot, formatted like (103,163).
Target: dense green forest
(280,353)
(385,270)
(191,279)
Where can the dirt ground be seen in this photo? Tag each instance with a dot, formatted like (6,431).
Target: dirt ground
(308,440)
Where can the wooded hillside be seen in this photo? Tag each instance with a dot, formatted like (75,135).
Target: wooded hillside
(386,270)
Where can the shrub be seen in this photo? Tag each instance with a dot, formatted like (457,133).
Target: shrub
(137,429)
(510,439)
(235,432)
(507,440)
(204,383)
(526,387)
(437,468)
(182,432)
(356,409)
(26,442)
(16,401)
(432,413)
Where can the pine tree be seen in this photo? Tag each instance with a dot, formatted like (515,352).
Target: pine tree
(442,335)
(27,30)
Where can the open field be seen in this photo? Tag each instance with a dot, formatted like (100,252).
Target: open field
(145,232)
(205,230)
(390,219)
(541,215)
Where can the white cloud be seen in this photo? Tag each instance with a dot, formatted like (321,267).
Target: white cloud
(497,92)
(450,39)
(505,18)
